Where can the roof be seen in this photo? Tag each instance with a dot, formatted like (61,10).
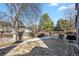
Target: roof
(27,30)
(5,23)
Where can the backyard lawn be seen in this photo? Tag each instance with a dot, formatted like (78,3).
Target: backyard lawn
(2,44)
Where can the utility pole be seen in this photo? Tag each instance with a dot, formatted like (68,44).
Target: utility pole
(77,22)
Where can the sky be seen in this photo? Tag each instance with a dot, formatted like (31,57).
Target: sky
(54,10)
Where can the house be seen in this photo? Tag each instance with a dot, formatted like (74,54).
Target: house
(7,27)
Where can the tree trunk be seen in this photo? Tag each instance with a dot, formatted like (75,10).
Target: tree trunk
(14,35)
(14,32)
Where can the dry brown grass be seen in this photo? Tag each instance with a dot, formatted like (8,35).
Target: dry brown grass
(2,44)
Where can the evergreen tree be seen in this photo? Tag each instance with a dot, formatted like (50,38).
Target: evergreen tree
(63,24)
(45,23)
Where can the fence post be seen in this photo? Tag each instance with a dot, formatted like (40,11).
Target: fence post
(77,22)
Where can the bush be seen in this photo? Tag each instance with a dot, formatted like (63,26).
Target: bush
(41,35)
(71,37)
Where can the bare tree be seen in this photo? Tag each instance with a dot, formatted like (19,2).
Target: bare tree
(21,12)
(70,15)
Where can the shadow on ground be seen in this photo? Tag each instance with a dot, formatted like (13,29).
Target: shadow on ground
(61,47)
(39,51)
(5,50)
(55,48)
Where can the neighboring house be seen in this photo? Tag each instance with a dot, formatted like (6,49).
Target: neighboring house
(6,31)
(7,27)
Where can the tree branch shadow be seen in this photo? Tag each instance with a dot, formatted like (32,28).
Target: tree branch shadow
(6,50)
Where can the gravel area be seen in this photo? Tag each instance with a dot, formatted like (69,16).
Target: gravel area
(61,47)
